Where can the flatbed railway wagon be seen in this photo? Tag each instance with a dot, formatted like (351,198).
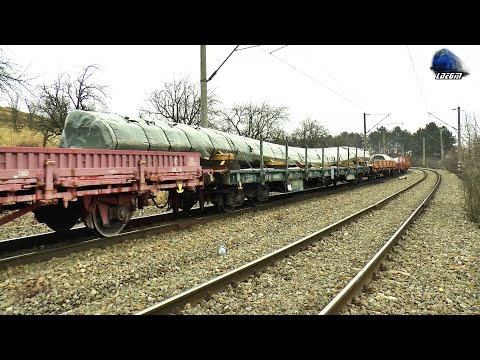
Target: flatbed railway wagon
(102,186)
(105,187)
(384,165)
(234,181)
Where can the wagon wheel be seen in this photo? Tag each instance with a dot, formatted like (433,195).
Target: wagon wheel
(119,216)
(57,217)
(226,208)
(254,196)
(223,206)
(187,205)
(255,201)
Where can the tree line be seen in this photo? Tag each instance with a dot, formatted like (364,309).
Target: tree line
(179,101)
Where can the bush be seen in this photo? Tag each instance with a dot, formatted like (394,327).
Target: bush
(470,172)
(470,175)
(450,162)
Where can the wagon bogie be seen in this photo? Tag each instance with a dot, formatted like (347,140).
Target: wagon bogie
(108,214)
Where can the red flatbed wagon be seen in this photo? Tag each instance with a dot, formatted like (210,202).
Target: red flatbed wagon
(104,186)
(403,162)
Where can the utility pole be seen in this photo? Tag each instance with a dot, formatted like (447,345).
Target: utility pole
(441,145)
(203,85)
(459,138)
(384,148)
(459,166)
(424,151)
(364,134)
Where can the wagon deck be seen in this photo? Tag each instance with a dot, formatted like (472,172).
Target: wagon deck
(30,174)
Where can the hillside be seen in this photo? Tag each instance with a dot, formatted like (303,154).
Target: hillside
(24,136)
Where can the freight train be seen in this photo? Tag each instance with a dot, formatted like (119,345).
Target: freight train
(107,166)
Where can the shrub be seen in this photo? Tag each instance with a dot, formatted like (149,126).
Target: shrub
(470,173)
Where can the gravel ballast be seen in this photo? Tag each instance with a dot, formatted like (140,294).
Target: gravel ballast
(130,276)
(435,269)
(306,282)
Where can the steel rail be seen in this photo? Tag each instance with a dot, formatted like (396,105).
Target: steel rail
(80,239)
(364,276)
(76,245)
(29,241)
(201,291)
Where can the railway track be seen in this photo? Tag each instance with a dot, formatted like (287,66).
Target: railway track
(365,275)
(188,298)
(45,246)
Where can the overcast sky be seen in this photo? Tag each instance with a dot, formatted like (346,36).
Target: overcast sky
(334,84)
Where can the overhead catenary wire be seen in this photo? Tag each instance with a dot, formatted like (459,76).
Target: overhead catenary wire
(310,77)
(278,49)
(425,133)
(224,61)
(377,122)
(442,121)
(338,93)
(248,47)
(416,76)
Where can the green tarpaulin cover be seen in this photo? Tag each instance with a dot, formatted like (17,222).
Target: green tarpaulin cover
(94,130)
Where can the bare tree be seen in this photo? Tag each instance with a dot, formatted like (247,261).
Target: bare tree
(179,101)
(14,102)
(279,136)
(11,79)
(32,107)
(53,107)
(471,131)
(310,133)
(56,100)
(84,93)
(253,120)
(470,168)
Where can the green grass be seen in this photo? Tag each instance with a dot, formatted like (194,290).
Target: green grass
(6,116)
(24,136)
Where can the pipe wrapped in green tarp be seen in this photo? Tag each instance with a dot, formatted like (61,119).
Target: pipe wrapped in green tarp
(95,130)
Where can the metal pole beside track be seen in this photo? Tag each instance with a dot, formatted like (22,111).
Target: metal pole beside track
(262,174)
(356,162)
(423,152)
(286,165)
(323,170)
(364,134)
(441,146)
(306,162)
(203,85)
